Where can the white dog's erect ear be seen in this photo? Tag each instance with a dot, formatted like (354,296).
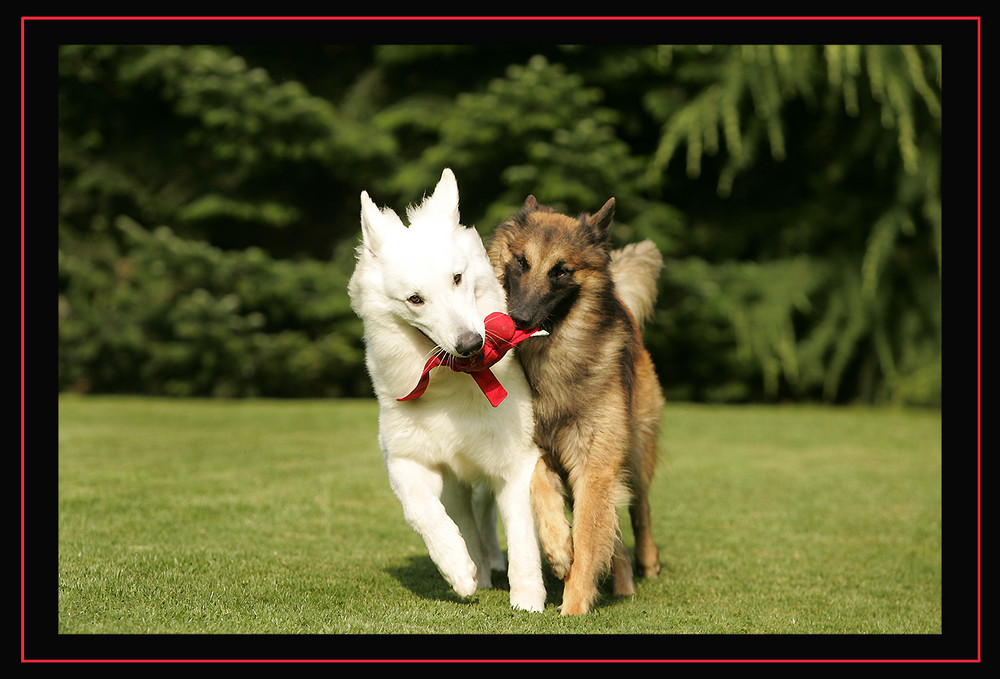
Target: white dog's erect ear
(443,202)
(370,218)
(375,224)
(447,188)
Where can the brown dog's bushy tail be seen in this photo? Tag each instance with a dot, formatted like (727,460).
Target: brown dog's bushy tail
(635,269)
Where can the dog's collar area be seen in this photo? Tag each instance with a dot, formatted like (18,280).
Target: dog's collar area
(501,337)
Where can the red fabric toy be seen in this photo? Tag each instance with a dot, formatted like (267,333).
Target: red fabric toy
(501,337)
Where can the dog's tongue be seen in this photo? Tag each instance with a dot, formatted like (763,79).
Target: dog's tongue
(501,337)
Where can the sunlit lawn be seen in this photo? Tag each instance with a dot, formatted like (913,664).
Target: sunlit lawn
(275,517)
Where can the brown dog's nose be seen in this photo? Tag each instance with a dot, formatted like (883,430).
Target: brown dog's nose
(522,321)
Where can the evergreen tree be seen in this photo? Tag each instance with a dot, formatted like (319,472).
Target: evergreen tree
(209,199)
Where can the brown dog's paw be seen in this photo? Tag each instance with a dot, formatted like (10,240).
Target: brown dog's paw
(647,563)
(578,596)
(647,570)
(561,560)
(574,608)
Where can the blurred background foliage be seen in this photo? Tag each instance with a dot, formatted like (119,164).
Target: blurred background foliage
(209,201)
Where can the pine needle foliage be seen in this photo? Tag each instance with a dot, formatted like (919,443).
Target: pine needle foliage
(795,191)
(866,307)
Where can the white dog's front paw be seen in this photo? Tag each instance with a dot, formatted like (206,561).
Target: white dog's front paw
(464,581)
(465,588)
(528,594)
(532,601)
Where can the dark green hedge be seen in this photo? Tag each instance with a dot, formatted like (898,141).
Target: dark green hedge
(168,316)
(209,203)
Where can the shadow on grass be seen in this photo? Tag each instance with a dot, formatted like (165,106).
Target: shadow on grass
(419,575)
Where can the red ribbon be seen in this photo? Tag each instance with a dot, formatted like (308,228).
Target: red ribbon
(501,337)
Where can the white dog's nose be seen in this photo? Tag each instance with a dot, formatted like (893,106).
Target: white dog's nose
(469,343)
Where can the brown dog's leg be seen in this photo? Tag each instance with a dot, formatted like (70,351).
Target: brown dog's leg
(595,529)
(548,504)
(621,568)
(647,554)
(642,465)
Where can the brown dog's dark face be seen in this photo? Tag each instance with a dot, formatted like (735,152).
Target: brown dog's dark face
(544,259)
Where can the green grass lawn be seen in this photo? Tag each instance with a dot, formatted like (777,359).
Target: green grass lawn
(276,517)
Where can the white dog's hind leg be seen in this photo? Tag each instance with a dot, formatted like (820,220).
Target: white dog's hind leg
(459,501)
(419,491)
(527,590)
(484,506)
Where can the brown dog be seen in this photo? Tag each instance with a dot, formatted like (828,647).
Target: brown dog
(596,396)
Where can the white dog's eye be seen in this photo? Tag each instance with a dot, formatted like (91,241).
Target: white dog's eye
(458,278)
(415,300)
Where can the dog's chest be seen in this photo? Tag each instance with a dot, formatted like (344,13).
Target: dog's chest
(559,368)
(556,381)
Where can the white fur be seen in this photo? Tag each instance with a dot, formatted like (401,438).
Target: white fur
(448,453)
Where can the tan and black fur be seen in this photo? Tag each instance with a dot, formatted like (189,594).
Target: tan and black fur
(596,396)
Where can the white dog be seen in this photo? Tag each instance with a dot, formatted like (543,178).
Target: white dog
(452,457)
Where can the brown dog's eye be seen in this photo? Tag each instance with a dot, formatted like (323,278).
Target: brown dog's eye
(521,262)
(559,271)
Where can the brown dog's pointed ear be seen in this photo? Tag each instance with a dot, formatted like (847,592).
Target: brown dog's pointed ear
(599,223)
(530,204)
